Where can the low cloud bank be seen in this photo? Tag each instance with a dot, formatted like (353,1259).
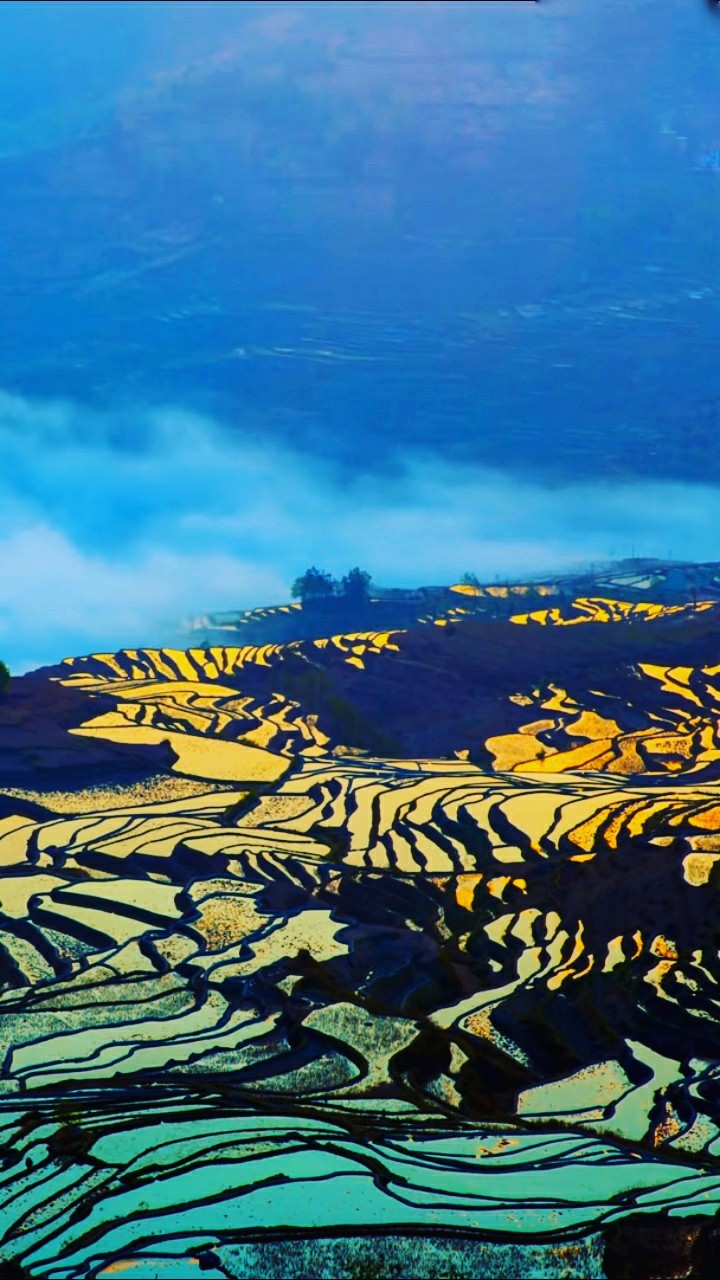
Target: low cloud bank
(115,526)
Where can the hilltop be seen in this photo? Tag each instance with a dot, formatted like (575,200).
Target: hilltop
(637,581)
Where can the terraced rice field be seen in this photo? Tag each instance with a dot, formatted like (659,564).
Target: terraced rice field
(276,984)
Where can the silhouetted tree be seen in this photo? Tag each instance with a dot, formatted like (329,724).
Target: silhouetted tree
(4,677)
(313,585)
(355,586)
(470,580)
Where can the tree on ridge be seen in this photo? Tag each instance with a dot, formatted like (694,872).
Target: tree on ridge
(355,586)
(313,585)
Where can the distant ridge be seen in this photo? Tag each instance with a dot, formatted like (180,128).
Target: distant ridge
(633,580)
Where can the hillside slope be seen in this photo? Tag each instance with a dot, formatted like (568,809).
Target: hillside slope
(416,928)
(615,695)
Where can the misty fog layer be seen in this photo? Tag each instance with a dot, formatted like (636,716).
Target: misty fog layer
(425,286)
(114,527)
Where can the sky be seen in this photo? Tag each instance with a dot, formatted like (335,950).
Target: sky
(427,286)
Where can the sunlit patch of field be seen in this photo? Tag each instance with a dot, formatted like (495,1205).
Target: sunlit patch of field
(505,591)
(561,734)
(178,698)
(131,667)
(157,790)
(601,609)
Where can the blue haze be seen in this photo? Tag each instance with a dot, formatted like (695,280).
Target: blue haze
(428,286)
